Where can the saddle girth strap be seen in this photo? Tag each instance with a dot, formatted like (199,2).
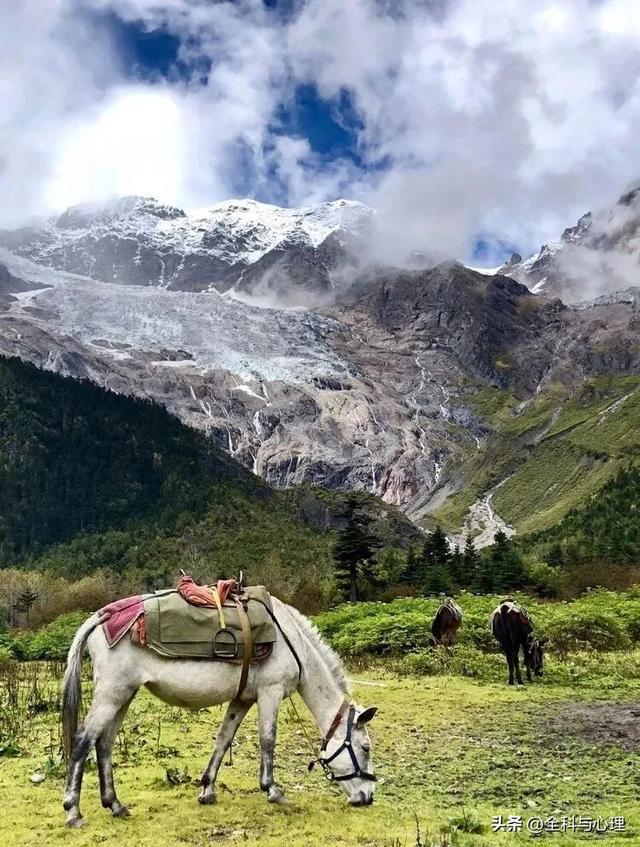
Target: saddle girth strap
(248,646)
(218,603)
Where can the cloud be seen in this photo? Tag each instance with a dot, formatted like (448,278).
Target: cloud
(501,121)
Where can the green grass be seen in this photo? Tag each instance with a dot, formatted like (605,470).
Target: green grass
(444,748)
(492,404)
(452,741)
(558,477)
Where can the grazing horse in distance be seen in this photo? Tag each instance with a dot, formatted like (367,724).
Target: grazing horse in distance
(300,661)
(447,622)
(513,629)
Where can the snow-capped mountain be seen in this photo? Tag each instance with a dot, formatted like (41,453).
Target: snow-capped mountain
(368,388)
(600,254)
(139,241)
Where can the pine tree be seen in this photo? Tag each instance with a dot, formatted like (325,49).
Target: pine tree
(436,552)
(471,562)
(505,563)
(434,565)
(354,548)
(25,601)
(413,572)
(556,556)
(457,567)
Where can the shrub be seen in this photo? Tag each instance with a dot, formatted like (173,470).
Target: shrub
(6,658)
(633,625)
(580,630)
(50,642)
(544,579)
(460,661)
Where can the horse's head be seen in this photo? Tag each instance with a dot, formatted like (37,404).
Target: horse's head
(346,756)
(536,653)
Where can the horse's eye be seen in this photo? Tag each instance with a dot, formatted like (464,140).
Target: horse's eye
(366,747)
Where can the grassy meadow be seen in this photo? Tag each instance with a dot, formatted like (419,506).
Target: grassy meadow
(453,744)
(552,453)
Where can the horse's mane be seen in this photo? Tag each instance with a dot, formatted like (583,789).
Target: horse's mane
(331,658)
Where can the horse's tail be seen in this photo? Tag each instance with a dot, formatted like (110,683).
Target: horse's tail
(71,686)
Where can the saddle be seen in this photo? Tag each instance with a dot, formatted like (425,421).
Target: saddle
(226,629)
(513,609)
(225,622)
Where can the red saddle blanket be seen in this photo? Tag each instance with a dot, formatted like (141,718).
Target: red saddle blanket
(118,617)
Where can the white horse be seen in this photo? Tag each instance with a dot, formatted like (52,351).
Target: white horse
(306,664)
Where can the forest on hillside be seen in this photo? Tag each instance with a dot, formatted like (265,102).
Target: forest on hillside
(103,495)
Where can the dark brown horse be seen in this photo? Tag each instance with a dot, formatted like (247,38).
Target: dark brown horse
(513,629)
(446,622)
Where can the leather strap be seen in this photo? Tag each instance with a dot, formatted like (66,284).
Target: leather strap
(218,603)
(248,645)
(335,723)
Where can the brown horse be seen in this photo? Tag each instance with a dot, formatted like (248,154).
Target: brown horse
(513,629)
(447,622)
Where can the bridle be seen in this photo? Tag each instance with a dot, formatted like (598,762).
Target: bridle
(324,762)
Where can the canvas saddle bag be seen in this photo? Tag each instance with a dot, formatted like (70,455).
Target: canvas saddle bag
(179,629)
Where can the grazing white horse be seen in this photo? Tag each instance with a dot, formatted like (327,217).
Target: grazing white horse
(306,664)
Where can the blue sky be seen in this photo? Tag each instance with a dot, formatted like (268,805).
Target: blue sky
(330,127)
(471,131)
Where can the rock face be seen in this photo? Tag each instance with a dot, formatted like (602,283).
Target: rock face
(138,241)
(352,380)
(598,255)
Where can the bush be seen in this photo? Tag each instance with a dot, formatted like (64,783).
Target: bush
(50,642)
(460,661)
(633,625)
(6,658)
(582,630)
(544,579)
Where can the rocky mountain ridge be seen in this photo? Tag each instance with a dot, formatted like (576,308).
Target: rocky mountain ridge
(370,388)
(139,241)
(599,255)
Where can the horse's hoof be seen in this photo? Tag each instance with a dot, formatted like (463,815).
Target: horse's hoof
(120,811)
(207,799)
(75,822)
(275,795)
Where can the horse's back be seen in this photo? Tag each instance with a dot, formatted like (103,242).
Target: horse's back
(193,683)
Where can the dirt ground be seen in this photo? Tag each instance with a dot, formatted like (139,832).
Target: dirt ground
(616,724)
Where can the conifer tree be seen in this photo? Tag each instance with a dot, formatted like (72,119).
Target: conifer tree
(471,562)
(354,548)
(456,567)
(25,601)
(436,558)
(436,552)
(505,563)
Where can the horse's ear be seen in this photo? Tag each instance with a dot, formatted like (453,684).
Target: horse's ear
(366,715)
(542,641)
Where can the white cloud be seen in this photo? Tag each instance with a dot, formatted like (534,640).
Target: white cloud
(135,144)
(506,120)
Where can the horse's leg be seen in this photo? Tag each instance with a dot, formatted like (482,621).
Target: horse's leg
(236,710)
(102,713)
(104,748)
(509,657)
(269,700)
(516,662)
(527,663)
